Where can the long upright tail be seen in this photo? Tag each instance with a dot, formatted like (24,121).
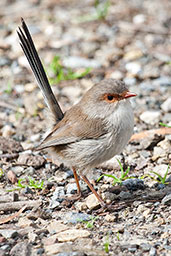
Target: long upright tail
(29,49)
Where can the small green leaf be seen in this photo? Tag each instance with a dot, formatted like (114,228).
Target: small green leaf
(118,236)
(106,244)
(60,73)
(1,172)
(9,88)
(165,125)
(20,185)
(164,178)
(161,179)
(122,177)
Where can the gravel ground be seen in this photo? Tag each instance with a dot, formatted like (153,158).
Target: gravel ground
(128,40)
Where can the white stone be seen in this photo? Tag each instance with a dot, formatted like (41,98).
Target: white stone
(139,19)
(116,75)
(141,209)
(32,237)
(78,62)
(157,153)
(92,202)
(133,55)
(72,234)
(72,92)
(110,218)
(24,222)
(8,233)
(165,144)
(54,249)
(35,137)
(166,106)
(81,206)
(19,88)
(150,117)
(30,87)
(56,226)
(146,213)
(133,67)
(7,131)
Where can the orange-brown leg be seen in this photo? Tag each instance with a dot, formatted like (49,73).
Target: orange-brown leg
(78,195)
(93,190)
(77,182)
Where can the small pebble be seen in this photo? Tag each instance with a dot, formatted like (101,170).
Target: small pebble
(134,184)
(92,202)
(145,247)
(35,137)
(167,200)
(5,247)
(125,195)
(69,174)
(71,188)
(27,190)
(162,81)
(40,251)
(8,233)
(133,68)
(130,81)
(74,217)
(139,18)
(150,117)
(30,171)
(7,131)
(12,177)
(159,186)
(19,88)
(166,106)
(77,62)
(58,194)
(153,251)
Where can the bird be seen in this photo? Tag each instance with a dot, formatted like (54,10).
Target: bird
(92,131)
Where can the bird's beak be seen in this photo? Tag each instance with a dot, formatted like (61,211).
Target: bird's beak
(129,95)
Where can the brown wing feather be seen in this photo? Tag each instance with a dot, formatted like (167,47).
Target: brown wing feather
(68,130)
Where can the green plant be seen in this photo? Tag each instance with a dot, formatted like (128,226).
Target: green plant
(9,88)
(124,175)
(118,236)
(20,185)
(60,73)
(1,172)
(32,183)
(35,184)
(89,223)
(101,9)
(18,115)
(161,179)
(100,12)
(106,244)
(165,125)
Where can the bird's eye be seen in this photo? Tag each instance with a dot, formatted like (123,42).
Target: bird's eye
(110,97)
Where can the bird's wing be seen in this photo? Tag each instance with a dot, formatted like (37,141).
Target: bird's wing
(71,129)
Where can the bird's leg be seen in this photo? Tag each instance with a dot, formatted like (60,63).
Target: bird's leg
(77,183)
(78,195)
(93,190)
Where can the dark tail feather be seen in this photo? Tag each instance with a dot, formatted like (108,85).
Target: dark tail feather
(29,49)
